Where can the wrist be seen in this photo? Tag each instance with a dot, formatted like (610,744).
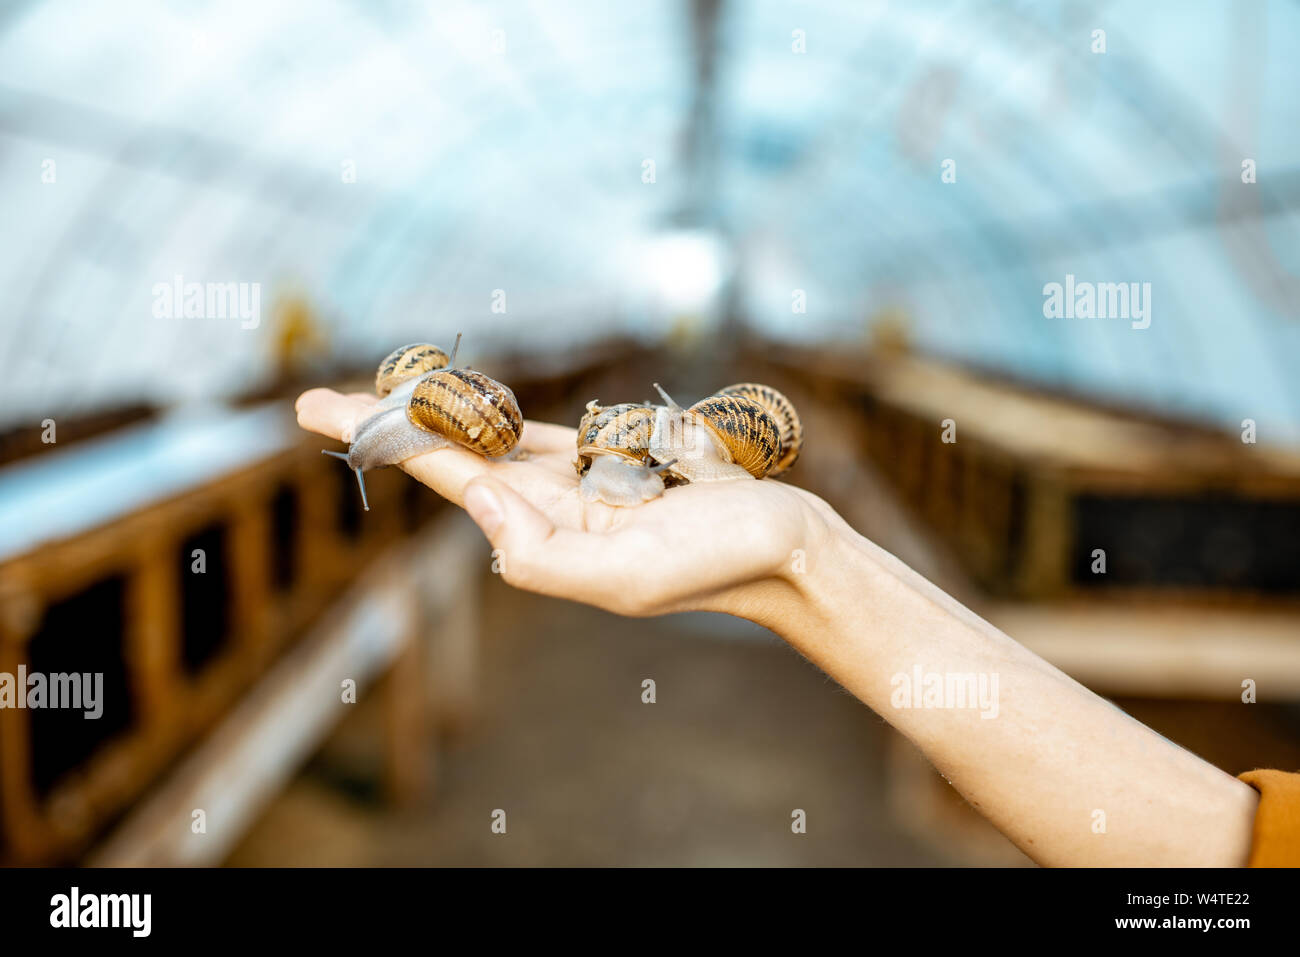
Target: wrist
(836,575)
(825,581)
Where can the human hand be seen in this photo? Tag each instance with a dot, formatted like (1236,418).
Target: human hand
(723,546)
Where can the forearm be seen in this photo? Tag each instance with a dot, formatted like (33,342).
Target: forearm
(1068,777)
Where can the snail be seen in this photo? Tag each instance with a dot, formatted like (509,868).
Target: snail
(724,436)
(629,453)
(429,404)
(613,455)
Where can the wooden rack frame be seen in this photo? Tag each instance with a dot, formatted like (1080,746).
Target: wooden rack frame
(278,476)
(1034,483)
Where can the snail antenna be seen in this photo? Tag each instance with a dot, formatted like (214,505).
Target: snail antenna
(361,482)
(668,399)
(663,465)
(451,363)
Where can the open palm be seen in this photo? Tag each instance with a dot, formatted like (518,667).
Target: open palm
(715,546)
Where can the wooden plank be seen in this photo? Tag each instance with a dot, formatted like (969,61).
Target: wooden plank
(250,578)
(1042,570)
(66,492)
(408,731)
(1060,431)
(451,586)
(153,636)
(1161,651)
(24,831)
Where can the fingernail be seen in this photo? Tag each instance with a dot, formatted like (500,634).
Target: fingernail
(484,506)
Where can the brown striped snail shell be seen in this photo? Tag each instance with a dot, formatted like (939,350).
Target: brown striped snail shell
(432,410)
(467,408)
(782,410)
(720,437)
(745,428)
(409,362)
(622,430)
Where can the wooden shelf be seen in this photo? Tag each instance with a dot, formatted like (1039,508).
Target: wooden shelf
(1161,651)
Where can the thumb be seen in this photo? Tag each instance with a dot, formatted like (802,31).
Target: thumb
(506,517)
(535,555)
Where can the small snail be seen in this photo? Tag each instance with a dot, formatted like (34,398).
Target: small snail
(428,404)
(782,410)
(724,436)
(613,455)
(629,453)
(410,362)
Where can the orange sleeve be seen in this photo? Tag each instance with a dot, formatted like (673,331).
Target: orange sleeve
(1276,840)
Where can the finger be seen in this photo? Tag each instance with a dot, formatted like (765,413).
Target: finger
(546,437)
(537,556)
(328,413)
(447,471)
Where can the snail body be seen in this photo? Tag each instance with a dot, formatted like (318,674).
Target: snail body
(425,406)
(719,438)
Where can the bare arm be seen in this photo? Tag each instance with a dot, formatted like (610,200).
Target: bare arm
(1067,776)
(1040,755)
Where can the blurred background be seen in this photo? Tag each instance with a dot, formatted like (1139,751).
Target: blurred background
(210,206)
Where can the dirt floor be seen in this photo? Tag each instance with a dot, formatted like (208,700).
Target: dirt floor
(743,733)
